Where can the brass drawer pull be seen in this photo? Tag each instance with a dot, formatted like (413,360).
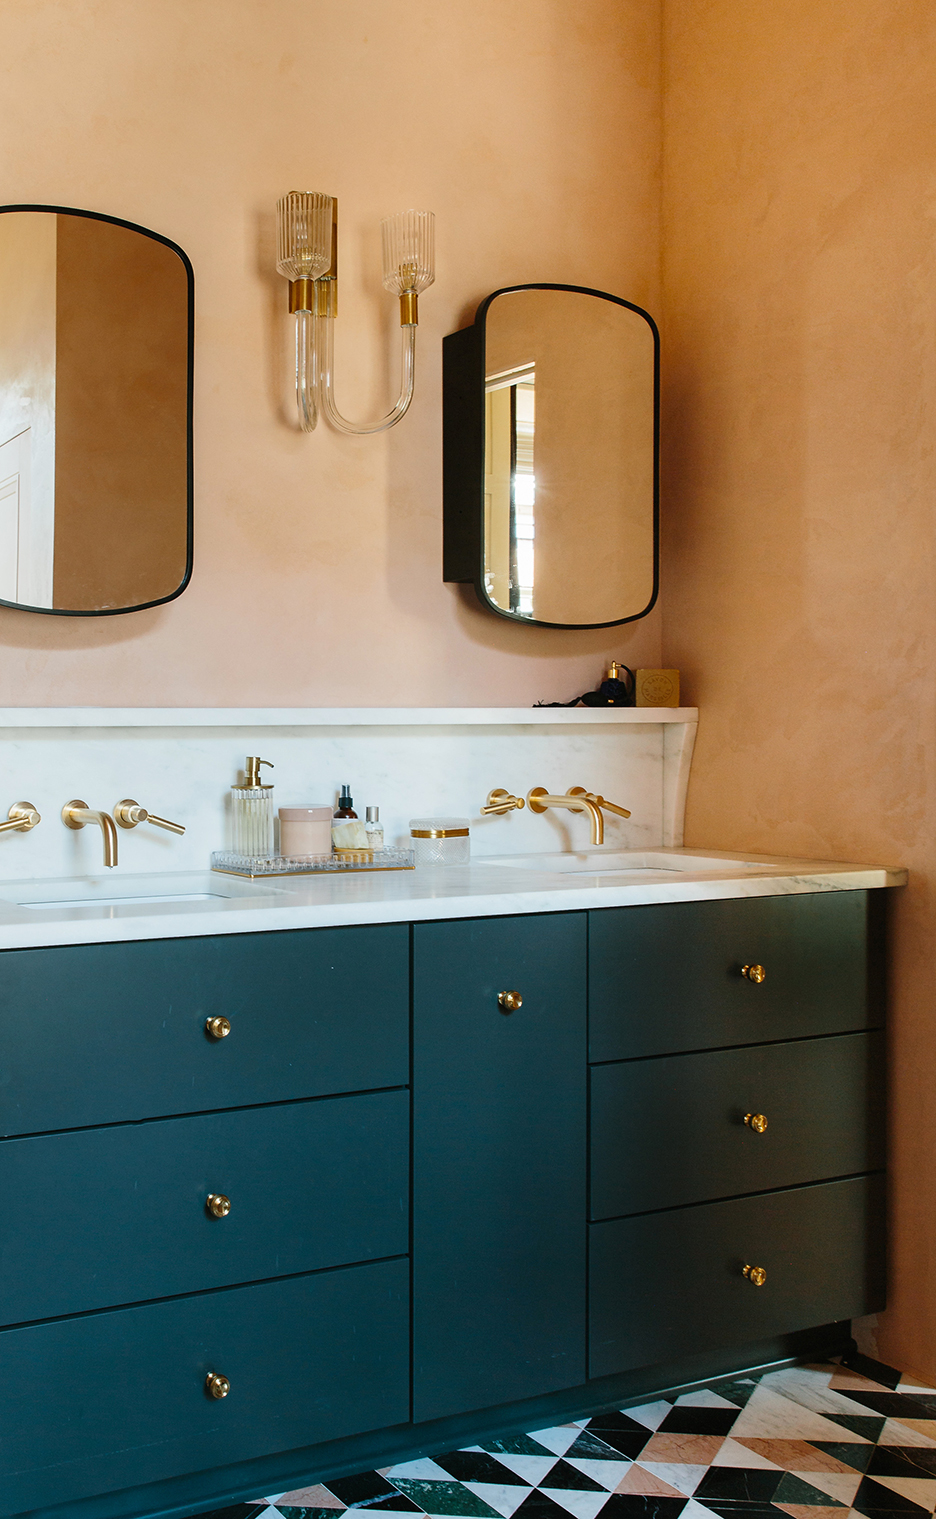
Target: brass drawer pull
(217,1386)
(218,1205)
(509,1002)
(755,973)
(217,1028)
(756,1121)
(755,1274)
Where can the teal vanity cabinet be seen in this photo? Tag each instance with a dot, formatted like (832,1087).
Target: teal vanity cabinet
(212,1181)
(737,1127)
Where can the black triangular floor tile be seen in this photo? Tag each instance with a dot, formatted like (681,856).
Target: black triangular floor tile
(850,1453)
(645,1506)
(478,1466)
(564,1475)
(590,1447)
(866,1425)
(877,1501)
(903,1461)
(794,1489)
(876,1371)
(517,1445)
(738,1484)
(537,1505)
(688,1419)
(894,1405)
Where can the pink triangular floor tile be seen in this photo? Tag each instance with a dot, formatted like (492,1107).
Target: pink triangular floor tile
(842,1486)
(732,1453)
(807,1510)
(907,1432)
(646,1484)
(309,1497)
(795,1456)
(852,1379)
(681,1475)
(921,1490)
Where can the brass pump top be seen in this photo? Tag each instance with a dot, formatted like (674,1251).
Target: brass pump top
(615,672)
(252,772)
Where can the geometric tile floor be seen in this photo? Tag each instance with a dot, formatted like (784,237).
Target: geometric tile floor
(811,1442)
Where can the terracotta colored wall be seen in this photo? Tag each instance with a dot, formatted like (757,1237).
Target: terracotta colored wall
(800,343)
(318,560)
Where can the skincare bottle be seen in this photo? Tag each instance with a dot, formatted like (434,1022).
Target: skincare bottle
(252,811)
(374,827)
(345,808)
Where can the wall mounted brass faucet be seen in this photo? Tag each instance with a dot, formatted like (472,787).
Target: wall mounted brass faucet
(128,813)
(22,816)
(76,814)
(577,799)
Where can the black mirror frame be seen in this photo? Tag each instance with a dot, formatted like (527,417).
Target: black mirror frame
(118,221)
(463,456)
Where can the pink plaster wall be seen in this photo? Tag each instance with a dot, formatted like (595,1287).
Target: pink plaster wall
(532,130)
(800,343)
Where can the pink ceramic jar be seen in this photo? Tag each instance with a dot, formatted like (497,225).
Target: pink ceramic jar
(305,831)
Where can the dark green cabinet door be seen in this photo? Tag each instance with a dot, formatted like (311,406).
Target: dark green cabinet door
(671,1130)
(499,1162)
(310,1184)
(667,1285)
(98,1033)
(669,977)
(113,1400)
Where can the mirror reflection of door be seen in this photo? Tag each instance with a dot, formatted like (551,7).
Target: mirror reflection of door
(95,406)
(572,543)
(510,487)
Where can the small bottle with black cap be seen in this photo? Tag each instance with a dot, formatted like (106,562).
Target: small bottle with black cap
(345,808)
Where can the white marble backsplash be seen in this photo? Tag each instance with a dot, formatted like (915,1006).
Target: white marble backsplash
(181,763)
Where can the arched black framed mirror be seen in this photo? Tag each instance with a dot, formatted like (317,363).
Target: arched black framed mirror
(551,450)
(96,361)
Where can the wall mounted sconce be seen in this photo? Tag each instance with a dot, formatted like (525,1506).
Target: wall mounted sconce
(307,255)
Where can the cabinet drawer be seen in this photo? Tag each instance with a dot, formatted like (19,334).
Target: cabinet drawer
(97,1033)
(667,978)
(670,1130)
(666,1285)
(310,1184)
(117,1399)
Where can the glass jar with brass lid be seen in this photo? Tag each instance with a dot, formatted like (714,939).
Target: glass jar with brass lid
(441,841)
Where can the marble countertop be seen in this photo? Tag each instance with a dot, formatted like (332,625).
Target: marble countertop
(117,907)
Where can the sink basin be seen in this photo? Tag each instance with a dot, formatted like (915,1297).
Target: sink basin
(130,891)
(625,862)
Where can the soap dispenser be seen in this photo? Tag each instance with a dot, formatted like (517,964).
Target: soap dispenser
(252,811)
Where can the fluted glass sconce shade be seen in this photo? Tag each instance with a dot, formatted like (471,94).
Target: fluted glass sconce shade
(307,255)
(303,234)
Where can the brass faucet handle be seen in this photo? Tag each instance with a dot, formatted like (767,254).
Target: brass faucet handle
(499,802)
(599,801)
(22,816)
(128,813)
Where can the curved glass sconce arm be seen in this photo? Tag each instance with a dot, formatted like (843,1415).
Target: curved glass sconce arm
(306,378)
(324,343)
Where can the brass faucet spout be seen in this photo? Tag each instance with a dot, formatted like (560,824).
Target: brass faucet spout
(76,814)
(539,800)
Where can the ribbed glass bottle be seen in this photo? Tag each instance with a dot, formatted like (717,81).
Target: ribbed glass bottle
(252,817)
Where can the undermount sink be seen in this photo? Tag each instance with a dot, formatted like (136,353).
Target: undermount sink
(625,861)
(131,891)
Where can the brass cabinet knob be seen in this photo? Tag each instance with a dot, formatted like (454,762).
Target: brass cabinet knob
(756,1121)
(509,1002)
(217,1386)
(218,1205)
(217,1028)
(755,973)
(755,1274)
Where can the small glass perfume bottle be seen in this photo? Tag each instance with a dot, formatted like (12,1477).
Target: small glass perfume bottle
(374,828)
(252,812)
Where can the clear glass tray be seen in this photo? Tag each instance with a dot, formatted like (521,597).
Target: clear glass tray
(229,863)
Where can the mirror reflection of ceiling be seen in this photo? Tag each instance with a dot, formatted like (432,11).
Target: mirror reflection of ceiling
(94,405)
(569,519)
